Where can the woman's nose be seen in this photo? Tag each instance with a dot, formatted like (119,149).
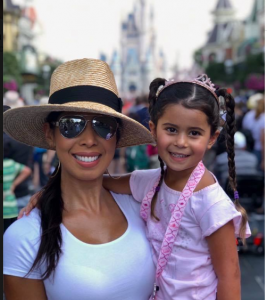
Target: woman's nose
(88,136)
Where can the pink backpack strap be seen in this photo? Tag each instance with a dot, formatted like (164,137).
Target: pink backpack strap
(146,202)
(174,224)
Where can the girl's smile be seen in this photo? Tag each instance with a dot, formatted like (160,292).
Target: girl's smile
(183,136)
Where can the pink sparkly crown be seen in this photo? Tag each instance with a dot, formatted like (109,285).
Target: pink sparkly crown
(202,80)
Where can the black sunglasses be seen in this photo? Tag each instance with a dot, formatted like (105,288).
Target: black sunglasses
(72,126)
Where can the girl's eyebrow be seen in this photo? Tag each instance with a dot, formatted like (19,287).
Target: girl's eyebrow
(191,128)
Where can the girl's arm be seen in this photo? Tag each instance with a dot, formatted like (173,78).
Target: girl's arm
(26,172)
(119,186)
(18,288)
(224,257)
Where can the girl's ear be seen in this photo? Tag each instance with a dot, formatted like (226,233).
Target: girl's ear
(49,135)
(213,139)
(153,129)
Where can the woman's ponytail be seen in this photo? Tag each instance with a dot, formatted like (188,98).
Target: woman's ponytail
(51,207)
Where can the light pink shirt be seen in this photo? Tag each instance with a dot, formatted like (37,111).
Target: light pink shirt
(189,273)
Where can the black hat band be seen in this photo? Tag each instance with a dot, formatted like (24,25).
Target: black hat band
(87,93)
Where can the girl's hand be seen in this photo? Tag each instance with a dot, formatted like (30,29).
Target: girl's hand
(30,206)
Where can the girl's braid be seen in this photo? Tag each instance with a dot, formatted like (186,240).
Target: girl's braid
(154,199)
(230,132)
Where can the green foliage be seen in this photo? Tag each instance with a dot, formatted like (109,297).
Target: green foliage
(253,64)
(11,68)
(198,57)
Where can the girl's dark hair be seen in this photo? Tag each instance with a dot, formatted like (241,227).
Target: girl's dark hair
(51,206)
(194,96)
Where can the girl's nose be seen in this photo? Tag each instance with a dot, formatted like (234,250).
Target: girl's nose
(181,140)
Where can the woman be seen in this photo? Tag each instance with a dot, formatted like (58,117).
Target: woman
(81,242)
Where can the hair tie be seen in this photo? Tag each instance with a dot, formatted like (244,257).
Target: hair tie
(157,188)
(236,195)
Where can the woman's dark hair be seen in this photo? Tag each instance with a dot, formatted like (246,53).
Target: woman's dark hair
(194,96)
(51,206)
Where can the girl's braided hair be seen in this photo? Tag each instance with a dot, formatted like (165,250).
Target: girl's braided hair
(194,96)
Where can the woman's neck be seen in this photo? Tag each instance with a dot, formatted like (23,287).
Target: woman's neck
(79,194)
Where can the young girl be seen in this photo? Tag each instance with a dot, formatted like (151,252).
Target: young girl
(192,224)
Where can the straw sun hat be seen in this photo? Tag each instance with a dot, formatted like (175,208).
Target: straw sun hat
(80,86)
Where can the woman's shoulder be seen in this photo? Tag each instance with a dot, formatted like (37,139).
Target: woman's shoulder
(127,203)
(27,226)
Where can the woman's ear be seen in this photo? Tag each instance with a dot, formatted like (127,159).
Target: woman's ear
(49,135)
(153,129)
(213,139)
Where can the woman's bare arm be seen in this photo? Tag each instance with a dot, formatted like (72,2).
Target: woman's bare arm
(18,288)
(119,186)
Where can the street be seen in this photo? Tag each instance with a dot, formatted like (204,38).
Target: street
(252,276)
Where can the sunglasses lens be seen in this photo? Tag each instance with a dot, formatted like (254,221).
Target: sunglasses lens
(71,127)
(105,126)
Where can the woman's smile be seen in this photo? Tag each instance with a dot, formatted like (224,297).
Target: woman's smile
(87,160)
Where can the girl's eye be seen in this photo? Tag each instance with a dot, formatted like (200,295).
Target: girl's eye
(171,130)
(194,133)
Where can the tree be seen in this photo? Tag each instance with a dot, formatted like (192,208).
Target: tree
(11,71)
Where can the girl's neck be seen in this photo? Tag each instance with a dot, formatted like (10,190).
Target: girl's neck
(177,180)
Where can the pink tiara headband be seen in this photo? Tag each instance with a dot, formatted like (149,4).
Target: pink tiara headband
(202,80)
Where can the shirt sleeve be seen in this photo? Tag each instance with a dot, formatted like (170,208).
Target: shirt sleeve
(219,214)
(18,168)
(21,243)
(142,181)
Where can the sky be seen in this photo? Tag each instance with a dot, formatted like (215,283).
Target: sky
(70,29)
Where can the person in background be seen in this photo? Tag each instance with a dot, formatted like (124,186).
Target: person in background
(141,109)
(246,163)
(19,152)
(136,157)
(258,130)
(40,178)
(22,154)
(14,174)
(12,99)
(254,121)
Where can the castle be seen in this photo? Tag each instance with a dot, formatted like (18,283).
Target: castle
(137,62)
